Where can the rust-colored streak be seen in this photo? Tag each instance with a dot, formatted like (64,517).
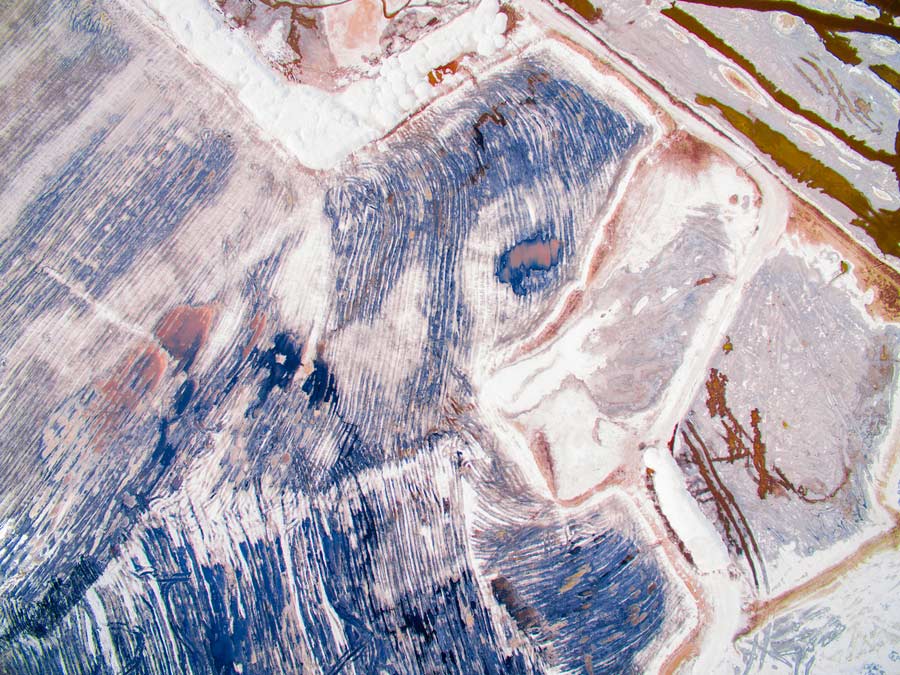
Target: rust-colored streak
(603,253)
(769,478)
(671,444)
(617,477)
(803,493)
(705,280)
(715,393)
(584,9)
(573,302)
(758,454)
(543,457)
(673,536)
(882,225)
(727,510)
(694,26)
(717,406)
(184,330)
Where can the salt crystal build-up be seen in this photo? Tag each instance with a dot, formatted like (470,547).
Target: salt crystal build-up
(449,337)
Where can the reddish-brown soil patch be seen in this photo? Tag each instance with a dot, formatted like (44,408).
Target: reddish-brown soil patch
(543,456)
(184,331)
(134,378)
(688,152)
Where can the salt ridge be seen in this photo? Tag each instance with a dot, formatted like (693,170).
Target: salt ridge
(321,129)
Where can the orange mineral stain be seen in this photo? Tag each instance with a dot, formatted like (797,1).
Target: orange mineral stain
(437,75)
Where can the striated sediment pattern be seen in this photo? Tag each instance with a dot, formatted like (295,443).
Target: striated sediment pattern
(370,338)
